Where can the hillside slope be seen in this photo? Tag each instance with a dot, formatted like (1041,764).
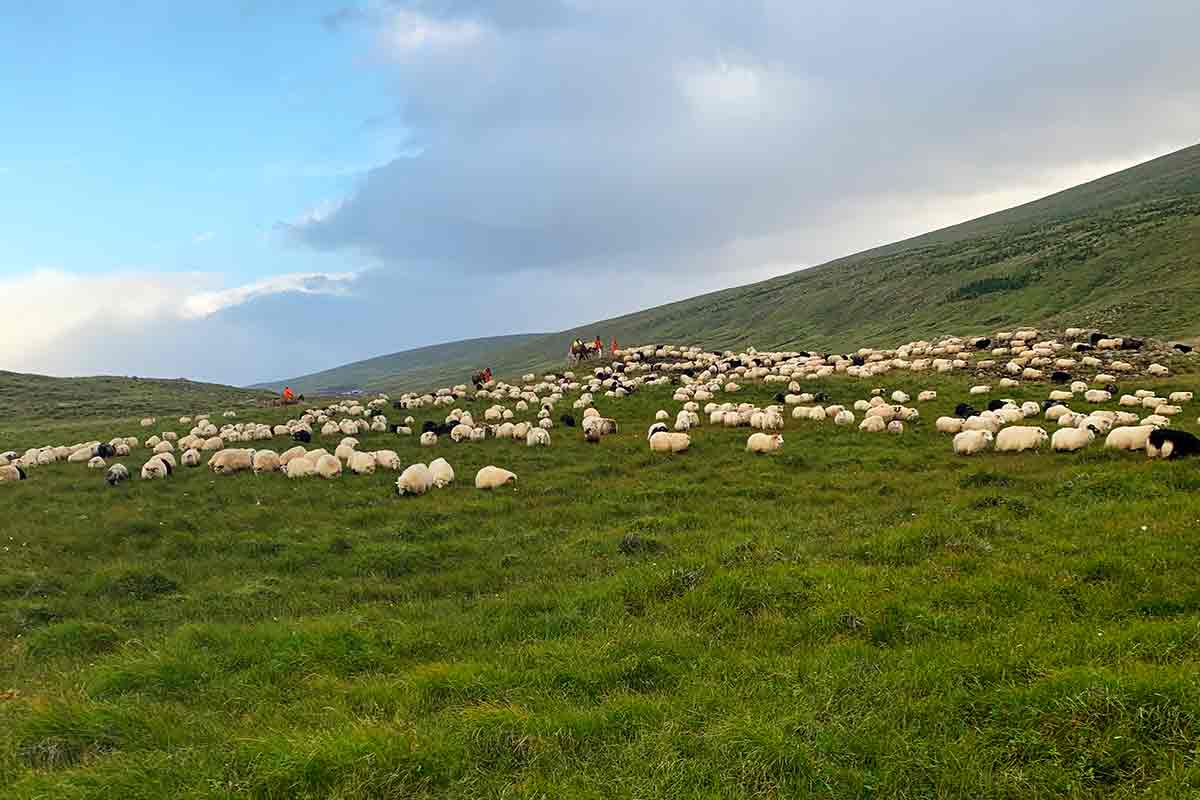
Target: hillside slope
(24,396)
(423,366)
(1122,251)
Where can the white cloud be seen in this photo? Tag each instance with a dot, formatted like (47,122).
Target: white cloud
(203,304)
(200,238)
(408,31)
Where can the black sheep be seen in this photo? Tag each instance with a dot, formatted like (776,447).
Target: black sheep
(1081,347)
(1182,348)
(1096,337)
(1111,388)
(567,420)
(995,405)
(106,450)
(857,360)
(1049,404)
(302,436)
(1060,377)
(1174,443)
(779,397)
(444,428)
(429,426)
(820,397)
(20,472)
(983,343)
(963,411)
(1132,344)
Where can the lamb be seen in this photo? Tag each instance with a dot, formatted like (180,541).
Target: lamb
(492,477)
(1169,443)
(265,461)
(12,472)
(1133,437)
(969,443)
(361,463)
(1067,440)
(537,437)
(764,443)
(300,467)
(428,439)
(115,474)
(442,472)
(567,420)
(227,462)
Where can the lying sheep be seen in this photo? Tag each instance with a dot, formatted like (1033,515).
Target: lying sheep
(764,443)
(415,479)
(873,425)
(442,472)
(895,426)
(12,472)
(948,425)
(970,442)
(492,477)
(428,439)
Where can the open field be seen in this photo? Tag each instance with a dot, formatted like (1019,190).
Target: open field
(859,615)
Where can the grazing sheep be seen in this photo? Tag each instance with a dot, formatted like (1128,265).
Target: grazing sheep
(191,457)
(873,425)
(764,443)
(1133,437)
(361,463)
(213,443)
(12,472)
(537,437)
(492,477)
(343,452)
(969,443)
(442,472)
(428,439)
(288,455)
(1168,443)
(567,420)
(387,459)
(415,479)
(302,435)
(115,474)
(96,463)
(155,469)
(227,462)
(300,467)
(1066,440)
(1020,438)
(661,415)
(667,442)
(328,467)
(265,461)
(843,418)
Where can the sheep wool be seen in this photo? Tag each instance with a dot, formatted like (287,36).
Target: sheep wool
(328,467)
(415,479)
(969,443)
(1020,438)
(1133,437)
(442,472)
(764,443)
(667,442)
(1068,440)
(493,477)
(266,461)
(227,462)
(361,463)
(300,467)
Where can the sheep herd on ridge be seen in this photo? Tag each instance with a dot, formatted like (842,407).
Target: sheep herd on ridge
(1084,365)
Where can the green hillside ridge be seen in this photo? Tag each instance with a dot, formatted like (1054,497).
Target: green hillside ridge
(1121,251)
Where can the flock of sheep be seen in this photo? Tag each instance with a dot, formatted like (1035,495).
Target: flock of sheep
(697,377)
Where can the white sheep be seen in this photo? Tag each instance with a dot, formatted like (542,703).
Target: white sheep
(415,479)
(96,463)
(948,424)
(492,477)
(227,462)
(387,459)
(537,437)
(1066,440)
(361,463)
(843,418)
(300,467)
(428,439)
(764,442)
(442,472)
(328,467)
(1020,438)
(667,442)
(970,442)
(265,461)
(1133,437)
(895,426)
(873,425)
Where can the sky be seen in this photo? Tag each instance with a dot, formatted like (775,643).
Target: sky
(245,190)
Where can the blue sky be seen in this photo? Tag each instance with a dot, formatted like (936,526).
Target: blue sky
(241,191)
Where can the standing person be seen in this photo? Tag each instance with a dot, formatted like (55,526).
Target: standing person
(599,345)
(613,349)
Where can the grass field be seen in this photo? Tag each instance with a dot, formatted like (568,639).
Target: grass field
(859,615)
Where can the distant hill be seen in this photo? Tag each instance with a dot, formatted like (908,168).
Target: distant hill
(424,366)
(1121,252)
(42,397)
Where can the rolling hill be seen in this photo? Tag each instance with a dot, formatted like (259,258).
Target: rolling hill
(1122,251)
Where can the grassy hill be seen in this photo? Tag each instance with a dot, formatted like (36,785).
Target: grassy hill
(424,366)
(1122,251)
(42,397)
